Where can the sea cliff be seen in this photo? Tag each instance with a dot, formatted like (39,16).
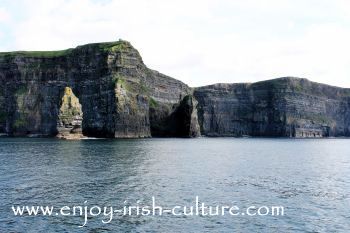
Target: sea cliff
(105,90)
(284,107)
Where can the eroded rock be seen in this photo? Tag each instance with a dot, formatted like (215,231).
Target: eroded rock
(285,107)
(115,90)
(105,90)
(70,117)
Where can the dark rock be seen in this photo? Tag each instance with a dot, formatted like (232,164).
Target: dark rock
(285,107)
(113,94)
(113,86)
(181,122)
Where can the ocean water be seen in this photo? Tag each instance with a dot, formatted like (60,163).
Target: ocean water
(309,178)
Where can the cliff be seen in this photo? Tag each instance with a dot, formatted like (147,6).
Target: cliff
(105,90)
(98,90)
(284,107)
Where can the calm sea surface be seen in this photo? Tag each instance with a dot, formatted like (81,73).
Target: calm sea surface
(310,178)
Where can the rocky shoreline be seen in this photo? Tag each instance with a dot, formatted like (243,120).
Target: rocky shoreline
(105,90)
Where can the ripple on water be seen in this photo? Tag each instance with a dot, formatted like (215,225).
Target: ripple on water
(307,177)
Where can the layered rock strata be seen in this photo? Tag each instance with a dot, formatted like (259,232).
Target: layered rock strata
(105,90)
(118,94)
(284,107)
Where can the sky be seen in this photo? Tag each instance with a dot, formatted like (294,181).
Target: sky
(199,42)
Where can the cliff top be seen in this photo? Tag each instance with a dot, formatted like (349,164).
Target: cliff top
(293,83)
(103,46)
(284,83)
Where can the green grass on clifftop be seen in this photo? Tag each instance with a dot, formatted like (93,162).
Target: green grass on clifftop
(57,53)
(120,45)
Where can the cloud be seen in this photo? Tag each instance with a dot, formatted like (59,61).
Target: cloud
(200,42)
(4,15)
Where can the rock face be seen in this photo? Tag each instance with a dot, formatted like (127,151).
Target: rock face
(181,122)
(285,107)
(118,94)
(70,116)
(105,90)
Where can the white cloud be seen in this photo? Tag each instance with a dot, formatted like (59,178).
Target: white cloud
(202,42)
(4,15)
